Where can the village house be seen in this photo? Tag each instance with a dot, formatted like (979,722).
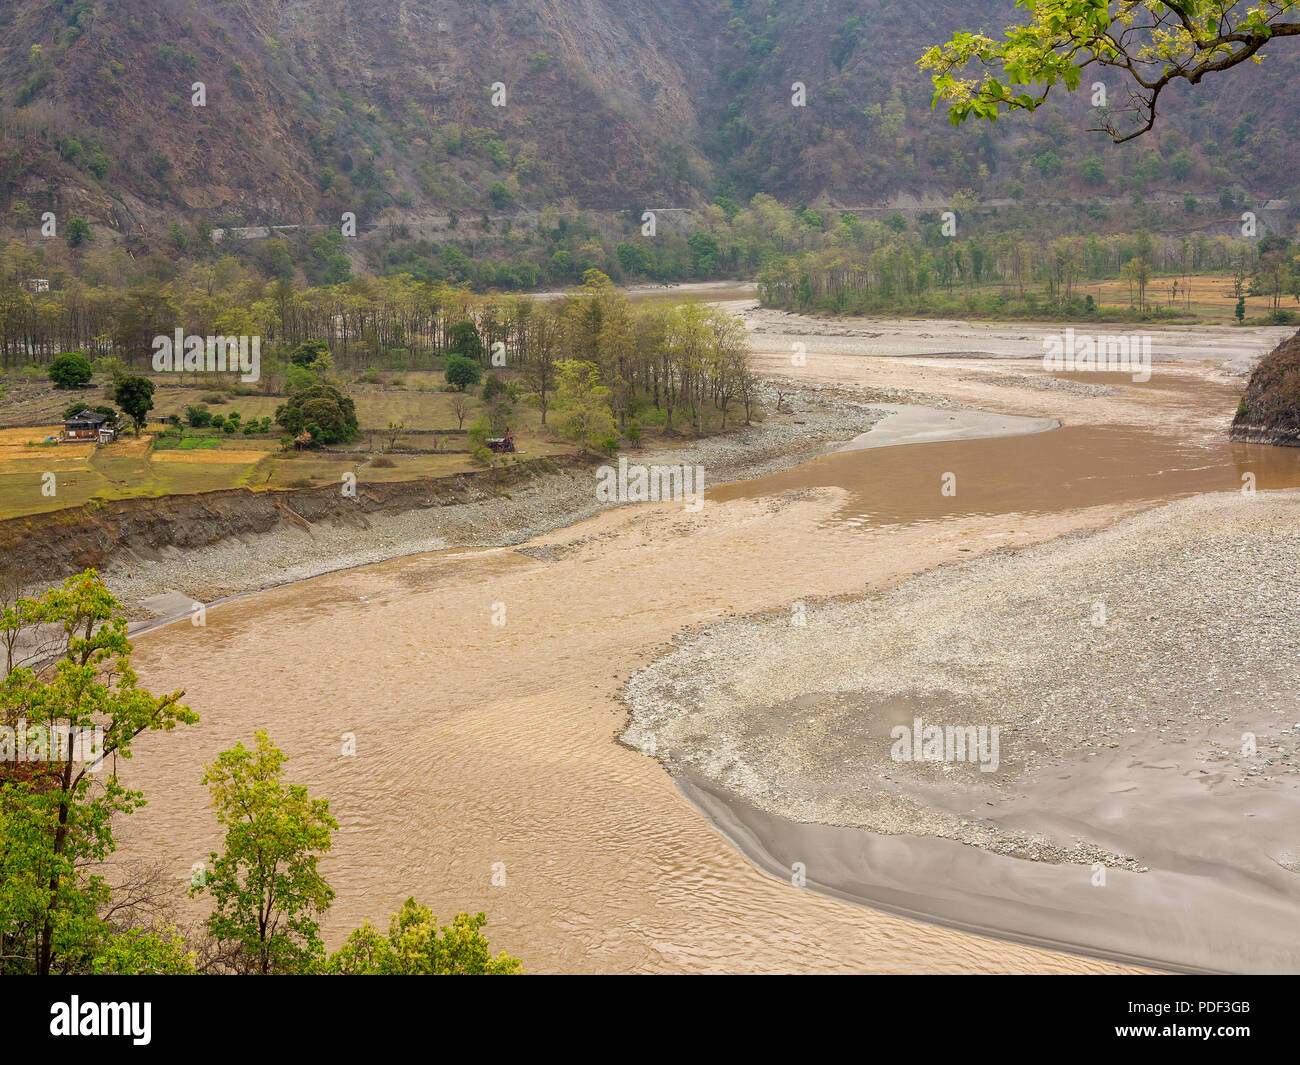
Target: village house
(88,425)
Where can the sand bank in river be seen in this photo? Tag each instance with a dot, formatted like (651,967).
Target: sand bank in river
(1122,669)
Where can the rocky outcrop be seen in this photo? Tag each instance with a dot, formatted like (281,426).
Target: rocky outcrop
(1270,409)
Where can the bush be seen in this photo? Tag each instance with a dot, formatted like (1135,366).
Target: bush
(71,370)
(218,421)
(492,387)
(322,410)
(461,372)
(198,417)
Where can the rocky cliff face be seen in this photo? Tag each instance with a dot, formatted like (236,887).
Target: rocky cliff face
(1270,409)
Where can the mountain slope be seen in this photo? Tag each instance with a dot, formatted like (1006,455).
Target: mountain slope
(316,107)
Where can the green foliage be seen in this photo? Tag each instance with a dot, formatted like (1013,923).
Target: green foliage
(582,412)
(134,395)
(980,77)
(161,951)
(492,387)
(309,352)
(416,945)
(57,814)
(331,416)
(265,885)
(78,232)
(464,340)
(462,372)
(198,417)
(71,370)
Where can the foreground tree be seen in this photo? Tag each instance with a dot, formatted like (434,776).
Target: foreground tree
(265,885)
(1152,43)
(134,395)
(57,803)
(416,945)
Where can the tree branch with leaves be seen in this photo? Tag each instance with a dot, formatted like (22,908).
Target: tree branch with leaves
(1152,43)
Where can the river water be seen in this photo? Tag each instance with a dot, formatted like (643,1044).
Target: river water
(486,775)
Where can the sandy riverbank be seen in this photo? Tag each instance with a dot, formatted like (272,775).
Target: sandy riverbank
(1122,668)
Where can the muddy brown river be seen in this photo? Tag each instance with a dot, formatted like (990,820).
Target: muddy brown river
(486,775)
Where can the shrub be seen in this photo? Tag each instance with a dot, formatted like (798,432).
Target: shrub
(71,370)
(322,410)
(462,372)
(492,387)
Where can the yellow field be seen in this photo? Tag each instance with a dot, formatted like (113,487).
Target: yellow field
(214,457)
(20,437)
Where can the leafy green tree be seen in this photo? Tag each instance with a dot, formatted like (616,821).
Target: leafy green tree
(461,372)
(71,370)
(1151,43)
(134,395)
(57,813)
(160,951)
(1094,170)
(464,340)
(78,232)
(266,888)
(309,352)
(198,417)
(582,410)
(334,414)
(416,945)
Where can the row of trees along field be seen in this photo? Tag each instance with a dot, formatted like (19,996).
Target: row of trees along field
(887,267)
(68,668)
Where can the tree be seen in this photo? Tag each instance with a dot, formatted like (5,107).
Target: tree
(460,407)
(71,370)
(333,415)
(1152,43)
(462,372)
(542,358)
(134,395)
(464,340)
(78,232)
(265,885)
(582,406)
(416,945)
(56,812)
(198,417)
(309,352)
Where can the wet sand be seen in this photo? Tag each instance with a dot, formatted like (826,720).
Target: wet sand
(1121,743)
(479,744)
